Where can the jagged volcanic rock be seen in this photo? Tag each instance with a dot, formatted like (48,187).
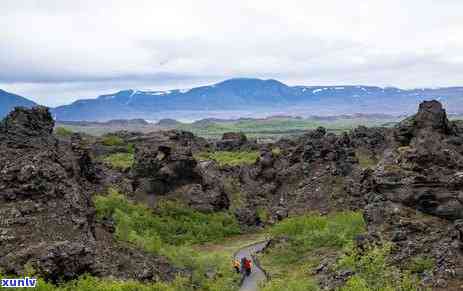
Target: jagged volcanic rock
(47,219)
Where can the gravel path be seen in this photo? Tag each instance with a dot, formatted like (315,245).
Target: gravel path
(251,282)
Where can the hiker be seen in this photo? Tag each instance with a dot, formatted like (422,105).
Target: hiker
(237,265)
(243,260)
(247,266)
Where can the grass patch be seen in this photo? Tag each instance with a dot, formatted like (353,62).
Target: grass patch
(421,264)
(63,132)
(120,161)
(276,151)
(233,190)
(302,242)
(366,160)
(229,158)
(373,272)
(171,230)
(112,140)
(263,214)
(171,223)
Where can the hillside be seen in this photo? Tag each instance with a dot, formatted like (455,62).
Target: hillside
(369,209)
(8,101)
(255,97)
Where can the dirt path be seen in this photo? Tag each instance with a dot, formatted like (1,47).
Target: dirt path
(251,282)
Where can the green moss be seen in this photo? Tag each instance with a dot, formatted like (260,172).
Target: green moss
(373,272)
(63,132)
(263,214)
(112,140)
(120,160)
(421,264)
(276,151)
(366,159)
(230,158)
(233,190)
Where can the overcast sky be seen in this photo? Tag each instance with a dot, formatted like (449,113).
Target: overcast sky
(56,51)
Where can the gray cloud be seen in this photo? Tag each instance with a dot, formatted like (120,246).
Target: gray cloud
(57,51)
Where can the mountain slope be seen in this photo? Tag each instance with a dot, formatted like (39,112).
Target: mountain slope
(9,101)
(252,96)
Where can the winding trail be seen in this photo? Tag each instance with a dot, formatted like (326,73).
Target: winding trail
(251,282)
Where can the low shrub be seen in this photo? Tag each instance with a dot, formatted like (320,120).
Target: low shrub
(309,232)
(63,131)
(230,158)
(120,161)
(421,264)
(172,223)
(112,140)
(373,272)
(170,230)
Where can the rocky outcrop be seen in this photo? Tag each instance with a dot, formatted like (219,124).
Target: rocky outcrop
(413,197)
(47,218)
(233,141)
(165,167)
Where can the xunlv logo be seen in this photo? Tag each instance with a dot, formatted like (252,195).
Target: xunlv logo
(16,283)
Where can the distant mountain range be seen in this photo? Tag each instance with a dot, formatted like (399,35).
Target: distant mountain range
(243,97)
(9,101)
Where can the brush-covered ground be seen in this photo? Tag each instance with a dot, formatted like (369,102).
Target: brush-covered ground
(272,128)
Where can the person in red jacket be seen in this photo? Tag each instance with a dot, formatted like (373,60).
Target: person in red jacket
(247,266)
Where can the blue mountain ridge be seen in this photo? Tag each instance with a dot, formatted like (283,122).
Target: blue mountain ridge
(8,101)
(255,95)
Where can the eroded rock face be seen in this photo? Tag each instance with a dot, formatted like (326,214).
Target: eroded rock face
(165,166)
(413,197)
(234,141)
(47,219)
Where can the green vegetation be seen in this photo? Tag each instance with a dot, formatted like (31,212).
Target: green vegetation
(277,126)
(305,240)
(233,190)
(291,284)
(276,151)
(120,161)
(171,230)
(273,128)
(263,214)
(366,159)
(230,158)
(171,223)
(63,132)
(373,272)
(112,140)
(421,264)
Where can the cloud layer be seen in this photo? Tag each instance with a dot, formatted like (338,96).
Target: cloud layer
(57,51)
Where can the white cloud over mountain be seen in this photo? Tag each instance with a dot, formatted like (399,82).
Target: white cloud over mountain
(58,51)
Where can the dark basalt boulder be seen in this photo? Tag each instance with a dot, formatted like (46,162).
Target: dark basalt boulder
(165,166)
(413,196)
(47,218)
(234,141)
